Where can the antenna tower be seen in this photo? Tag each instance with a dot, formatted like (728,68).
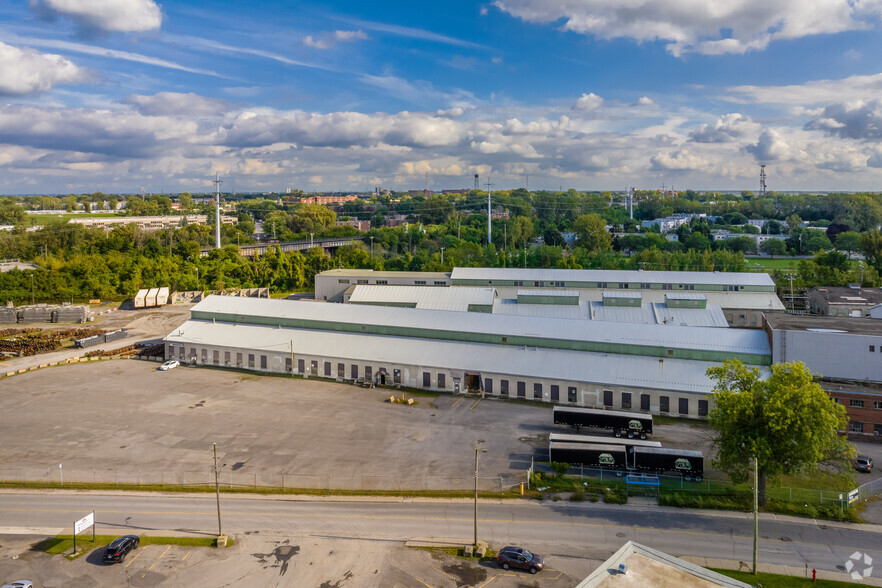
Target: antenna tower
(763,179)
(217,220)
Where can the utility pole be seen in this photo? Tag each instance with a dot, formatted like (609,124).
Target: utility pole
(217,183)
(755,511)
(217,491)
(372,247)
(32,289)
(489,191)
(442,257)
(478,450)
(292,358)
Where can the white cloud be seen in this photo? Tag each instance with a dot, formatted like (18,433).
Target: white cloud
(645,101)
(861,119)
(728,127)
(350,36)
(27,71)
(107,15)
(711,28)
(176,104)
(770,146)
(327,41)
(588,102)
(813,92)
(311,41)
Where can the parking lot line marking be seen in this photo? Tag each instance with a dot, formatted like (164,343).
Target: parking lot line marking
(488,581)
(167,547)
(420,581)
(137,556)
(183,559)
(457,402)
(445,573)
(475,404)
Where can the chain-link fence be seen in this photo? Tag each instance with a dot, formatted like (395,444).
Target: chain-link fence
(229,478)
(870,489)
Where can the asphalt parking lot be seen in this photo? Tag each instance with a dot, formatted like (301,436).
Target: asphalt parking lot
(124,420)
(274,559)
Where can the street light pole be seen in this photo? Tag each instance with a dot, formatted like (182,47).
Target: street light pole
(32,289)
(477,451)
(217,492)
(442,256)
(372,247)
(755,512)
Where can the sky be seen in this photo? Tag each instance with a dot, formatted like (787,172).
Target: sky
(123,95)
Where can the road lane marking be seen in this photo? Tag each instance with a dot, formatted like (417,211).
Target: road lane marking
(157,560)
(420,581)
(136,557)
(488,581)
(457,402)
(447,519)
(475,404)
(445,573)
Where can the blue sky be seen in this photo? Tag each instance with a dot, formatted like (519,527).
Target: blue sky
(113,95)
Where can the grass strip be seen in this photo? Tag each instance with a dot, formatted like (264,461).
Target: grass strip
(452,551)
(779,581)
(512,493)
(63,544)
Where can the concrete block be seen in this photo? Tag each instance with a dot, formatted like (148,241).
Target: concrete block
(42,365)
(221,540)
(8,374)
(468,550)
(22,370)
(481,551)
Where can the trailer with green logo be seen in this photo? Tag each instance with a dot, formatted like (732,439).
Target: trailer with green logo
(622,424)
(686,462)
(589,455)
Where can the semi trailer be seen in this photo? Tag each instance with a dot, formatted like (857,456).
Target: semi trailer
(569,438)
(647,460)
(627,424)
(589,455)
(686,462)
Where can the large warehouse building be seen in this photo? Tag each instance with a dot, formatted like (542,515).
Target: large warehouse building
(651,367)
(743,297)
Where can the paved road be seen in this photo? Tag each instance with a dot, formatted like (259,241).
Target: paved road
(577,530)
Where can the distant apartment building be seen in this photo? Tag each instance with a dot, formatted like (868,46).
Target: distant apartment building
(361,225)
(853,301)
(324,200)
(149,223)
(670,223)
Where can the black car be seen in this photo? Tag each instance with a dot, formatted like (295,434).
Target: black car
(120,548)
(518,557)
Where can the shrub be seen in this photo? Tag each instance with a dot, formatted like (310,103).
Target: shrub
(578,494)
(560,469)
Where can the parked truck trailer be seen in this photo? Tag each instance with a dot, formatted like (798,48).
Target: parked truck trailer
(589,455)
(569,438)
(686,462)
(628,424)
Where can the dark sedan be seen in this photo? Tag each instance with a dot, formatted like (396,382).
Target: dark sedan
(120,548)
(518,557)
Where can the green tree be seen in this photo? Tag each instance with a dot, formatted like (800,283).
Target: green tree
(848,241)
(786,422)
(591,232)
(435,209)
(275,223)
(773,247)
(314,218)
(520,231)
(871,246)
(185,200)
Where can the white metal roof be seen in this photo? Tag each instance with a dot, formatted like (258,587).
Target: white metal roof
(727,300)
(576,366)
(511,306)
(678,337)
(425,298)
(684,296)
(619,294)
(539,292)
(631,276)
(660,314)
(369,273)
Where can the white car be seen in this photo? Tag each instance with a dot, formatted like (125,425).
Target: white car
(169,365)
(19,584)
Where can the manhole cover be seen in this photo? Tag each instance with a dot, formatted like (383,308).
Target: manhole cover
(620,535)
(786,539)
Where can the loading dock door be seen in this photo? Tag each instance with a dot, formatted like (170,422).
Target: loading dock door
(473,382)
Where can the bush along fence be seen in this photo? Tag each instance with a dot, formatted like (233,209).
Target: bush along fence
(243,480)
(718,494)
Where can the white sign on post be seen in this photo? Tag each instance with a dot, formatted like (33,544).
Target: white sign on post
(84,523)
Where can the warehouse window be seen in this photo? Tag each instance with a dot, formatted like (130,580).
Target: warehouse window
(537,391)
(239,359)
(856,403)
(519,283)
(361,282)
(555,393)
(342,281)
(877,429)
(341,370)
(702,408)
(204,355)
(368,373)
(263,362)
(626,400)
(857,427)
(382,282)
(644,402)
(419,282)
(670,352)
(328,368)
(227,357)
(215,356)
(522,389)
(877,405)
(488,385)
(440,283)
(872,348)
(664,404)
(607,397)
(396,376)
(288,364)
(571,395)
(301,366)
(353,372)
(503,387)
(251,360)
(684,406)
(427,380)
(313,367)
(181,352)
(442,383)
(623,286)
